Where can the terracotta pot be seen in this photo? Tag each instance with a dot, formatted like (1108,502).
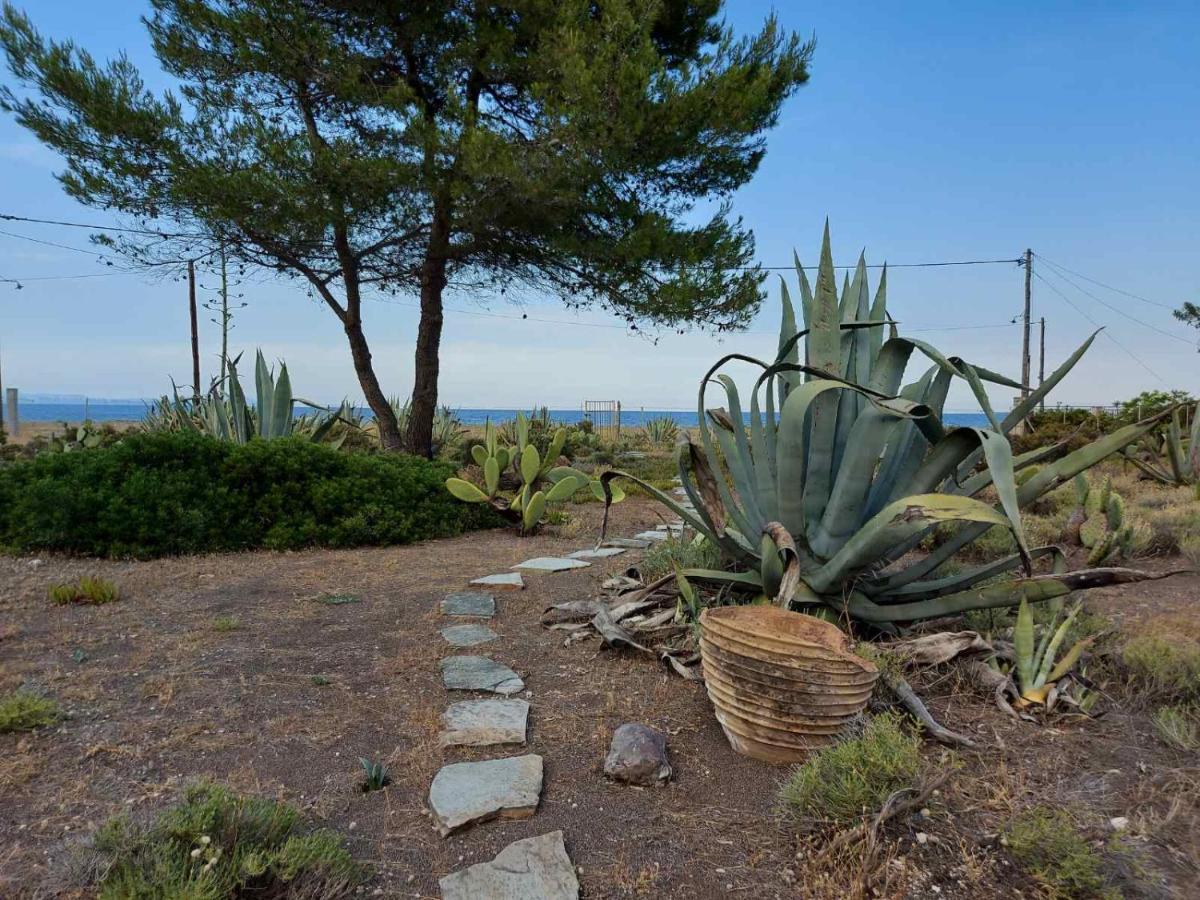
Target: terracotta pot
(782,684)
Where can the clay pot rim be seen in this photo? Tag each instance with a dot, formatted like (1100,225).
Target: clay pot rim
(852,675)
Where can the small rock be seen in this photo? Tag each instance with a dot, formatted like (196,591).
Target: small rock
(481,723)
(536,868)
(627,543)
(506,580)
(922,837)
(651,536)
(551,564)
(638,755)
(1119,823)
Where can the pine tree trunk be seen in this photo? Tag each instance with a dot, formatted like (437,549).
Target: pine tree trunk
(385,416)
(419,439)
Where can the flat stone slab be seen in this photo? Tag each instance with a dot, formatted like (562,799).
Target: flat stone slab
(551,564)
(469,792)
(481,723)
(469,603)
(652,536)
(627,544)
(478,673)
(536,868)
(468,635)
(504,580)
(670,526)
(602,553)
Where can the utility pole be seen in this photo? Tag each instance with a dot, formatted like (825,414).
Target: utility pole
(1,404)
(196,330)
(1025,366)
(1042,361)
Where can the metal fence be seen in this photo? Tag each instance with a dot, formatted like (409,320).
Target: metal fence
(605,416)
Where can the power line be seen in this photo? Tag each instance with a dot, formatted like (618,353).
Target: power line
(1108,286)
(1104,331)
(33,240)
(1120,311)
(9,217)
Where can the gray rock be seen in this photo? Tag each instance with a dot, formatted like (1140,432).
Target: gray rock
(463,794)
(478,673)
(627,543)
(638,755)
(536,868)
(468,635)
(602,553)
(469,603)
(504,580)
(481,723)
(551,564)
(651,536)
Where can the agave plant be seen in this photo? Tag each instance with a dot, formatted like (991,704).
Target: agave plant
(1182,465)
(661,430)
(820,505)
(542,482)
(1035,665)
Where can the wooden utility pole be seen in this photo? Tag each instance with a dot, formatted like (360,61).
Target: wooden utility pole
(196,330)
(1,395)
(1025,366)
(1042,360)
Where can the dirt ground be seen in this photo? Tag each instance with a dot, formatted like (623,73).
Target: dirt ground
(158,692)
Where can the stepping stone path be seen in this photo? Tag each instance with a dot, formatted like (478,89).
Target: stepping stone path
(478,673)
(469,604)
(551,564)
(601,553)
(468,635)
(536,868)
(505,580)
(481,723)
(465,793)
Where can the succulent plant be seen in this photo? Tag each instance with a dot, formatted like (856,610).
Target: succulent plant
(1182,457)
(541,481)
(661,430)
(1037,672)
(821,504)
(1104,529)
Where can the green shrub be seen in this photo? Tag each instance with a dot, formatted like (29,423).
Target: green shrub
(1178,726)
(665,556)
(856,776)
(23,710)
(168,493)
(1046,844)
(88,591)
(216,845)
(1164,666)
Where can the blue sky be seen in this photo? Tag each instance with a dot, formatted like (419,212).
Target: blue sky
(928,132)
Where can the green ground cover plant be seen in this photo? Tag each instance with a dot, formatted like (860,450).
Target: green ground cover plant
(87,590)
(169,493)
(217,845)
(23,710)
(855,777)
(1047,844)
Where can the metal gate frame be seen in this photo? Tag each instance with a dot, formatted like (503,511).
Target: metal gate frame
(605,416)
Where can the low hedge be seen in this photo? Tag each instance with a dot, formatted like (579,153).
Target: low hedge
(169,493)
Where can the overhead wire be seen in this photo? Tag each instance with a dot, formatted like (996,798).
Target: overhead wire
(1107,286)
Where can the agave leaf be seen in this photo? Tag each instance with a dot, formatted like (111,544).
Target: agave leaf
(281,406)
(1175,448)
(1023,644)
(1045,662)
(265,394)
(741,580)
(960,581)
(465,491)
(1021,411)
(1067,663)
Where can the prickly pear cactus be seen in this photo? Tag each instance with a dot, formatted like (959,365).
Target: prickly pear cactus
(1104,531)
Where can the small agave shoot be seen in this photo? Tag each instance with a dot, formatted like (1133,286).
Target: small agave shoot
(1037,667)
(1182,463)
(818,507)
(542,482)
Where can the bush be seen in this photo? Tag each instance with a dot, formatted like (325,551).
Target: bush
(1046,843)
(216,845)
(88,591)
(855,777)
(1164,666)
(24,710)
(168,493)
(1178,727)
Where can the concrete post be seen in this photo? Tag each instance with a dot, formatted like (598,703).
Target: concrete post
(13,423)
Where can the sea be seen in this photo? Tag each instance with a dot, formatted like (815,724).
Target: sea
(75,411)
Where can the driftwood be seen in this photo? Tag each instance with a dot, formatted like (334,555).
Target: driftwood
(905,694)
(892,807)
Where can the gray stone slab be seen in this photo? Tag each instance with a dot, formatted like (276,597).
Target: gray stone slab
(602,553)
(627,543)
(536,868)
(504,580)
(469,604)
(482,723)
(468,635)
(463,794)
(479,673)
(675,527)
(550,564)
(652,536)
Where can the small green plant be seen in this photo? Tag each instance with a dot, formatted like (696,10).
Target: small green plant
(226,623)
(1036,670)
(1178,726)
(1164,666)
(339,599)
(87,590)
(217,845)
(661,430)
(676,553)
(23,710)
(377,775)
(855,777)
(322,680)
(1046,843)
